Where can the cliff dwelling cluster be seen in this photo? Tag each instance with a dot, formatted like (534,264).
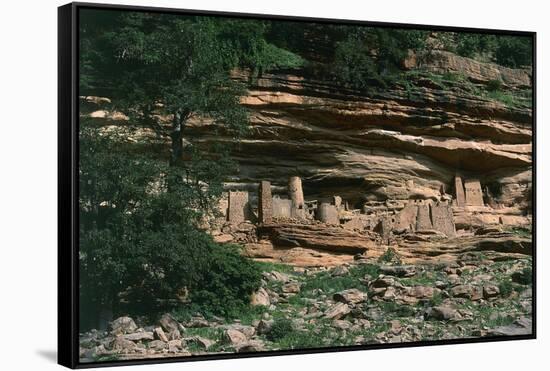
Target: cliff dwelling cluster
(433,216)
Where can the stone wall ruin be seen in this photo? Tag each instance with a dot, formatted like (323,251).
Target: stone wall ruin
(328,213)
(459,192)
(387,218)
(281,207)
(265,202)
(238,207)
(468,193)
(474,195)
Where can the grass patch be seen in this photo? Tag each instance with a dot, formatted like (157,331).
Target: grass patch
(106,358)
(327,284)
(270,267)
(397,310)
(436,299)
(316,335)
(426,278)
(245,313)
(212,333)
(250,314)
(491,316)
(521,231)
(493,90)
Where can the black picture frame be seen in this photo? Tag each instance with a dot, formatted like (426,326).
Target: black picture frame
(68,159)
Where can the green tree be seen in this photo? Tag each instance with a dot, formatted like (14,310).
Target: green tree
(509,51)
(139,240)
(163,70)
(140,217)
(514,51)
(369,57)
(473,45)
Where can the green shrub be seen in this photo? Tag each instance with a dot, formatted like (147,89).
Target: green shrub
(514,51)
(494,85)
(227,282)
(505,288)
(389,256)
(454,77)
(281,327)
(524,277)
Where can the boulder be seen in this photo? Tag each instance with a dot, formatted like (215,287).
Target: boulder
(398,270)
(490,291)
(264,326)
(120,344)
(341,324)
(337,311)
(421,292)
(157,345)
(223,238)
(351,296)
(291,288)
(260,297)
(467,291)
(139,336)
(174,335)
(174,346)
(169,323)
(250,346)
(276,276)
(382,282)
(444,313)
(248,331)
(198,322)
(200,341)
(160,334)
(123,325)
(339,271)
(522,326)
(234,337)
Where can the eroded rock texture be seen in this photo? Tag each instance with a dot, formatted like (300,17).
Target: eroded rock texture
(394,145)
(418,163)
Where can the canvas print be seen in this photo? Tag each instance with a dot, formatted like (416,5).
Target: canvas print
(253,185)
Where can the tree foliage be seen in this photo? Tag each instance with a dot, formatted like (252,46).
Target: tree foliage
(139,239)
(372,56)
(162,70)
(509,51)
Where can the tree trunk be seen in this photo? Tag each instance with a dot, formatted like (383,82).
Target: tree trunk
(176,137)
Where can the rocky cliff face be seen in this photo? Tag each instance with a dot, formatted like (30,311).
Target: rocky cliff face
(400,144)
(450,119)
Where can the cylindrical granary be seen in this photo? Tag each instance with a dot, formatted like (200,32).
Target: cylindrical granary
(297,197)
(327,213)
(295,191)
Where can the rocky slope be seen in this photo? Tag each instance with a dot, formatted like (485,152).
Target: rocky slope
(353,304)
